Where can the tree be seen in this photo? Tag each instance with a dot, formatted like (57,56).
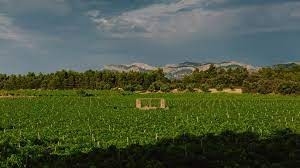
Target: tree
(54,83)
(180,86)
(190,87)
(11,83)
(220,87)
(151,88)
(204,88)
(138,88)
(212,71)
(289,87)
(165,88)
(265,86)
(129,87)
(283,80)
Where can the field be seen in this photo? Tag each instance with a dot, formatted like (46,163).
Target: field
(59,127)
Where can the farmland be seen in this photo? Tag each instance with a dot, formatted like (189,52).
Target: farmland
(60,124)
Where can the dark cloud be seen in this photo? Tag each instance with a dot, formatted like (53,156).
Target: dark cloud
(227,4)
(81,34)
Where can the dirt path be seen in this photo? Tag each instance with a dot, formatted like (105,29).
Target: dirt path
(236,91)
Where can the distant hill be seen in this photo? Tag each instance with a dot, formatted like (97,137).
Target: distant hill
(177,70)
(289,65)
(140,67)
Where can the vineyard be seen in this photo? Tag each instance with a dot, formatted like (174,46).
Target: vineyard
(58,128)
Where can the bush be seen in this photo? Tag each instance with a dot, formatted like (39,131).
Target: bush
(103,86)
(107,87)
(126,93)
(288,88)
(151,88)
(220,87)
(204,88)
(165,88)
(265,86)
(83,93)
(250,87)
(181,86)
(190,87)
(157,85)
(129,88)
(138,88)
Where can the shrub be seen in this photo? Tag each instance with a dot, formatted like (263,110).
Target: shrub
(220,87)
(83,93)
(165,88)
(204,88)
(129,88)
(289,87)
(138,88)
(190,87)
(151,88)
(107,87)
(265,86)
(157,85)
(250,87)
(126,93)
(181,86)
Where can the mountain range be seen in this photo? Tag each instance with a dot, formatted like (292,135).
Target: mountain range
(178,71)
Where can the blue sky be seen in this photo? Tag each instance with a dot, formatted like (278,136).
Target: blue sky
(49,35)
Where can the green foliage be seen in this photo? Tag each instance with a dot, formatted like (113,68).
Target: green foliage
(289,88)
(83,93)
(126,93)
(267,80)
(152,88)
(129,87)
(220,87)
(180,86)
(204,88)
(165,88)
(265,86)
(138,88)
(107,86)
(157,85)
(190,87)
(64,128)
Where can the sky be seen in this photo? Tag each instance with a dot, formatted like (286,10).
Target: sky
(50,35)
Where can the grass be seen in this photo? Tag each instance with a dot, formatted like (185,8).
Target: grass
(64,123)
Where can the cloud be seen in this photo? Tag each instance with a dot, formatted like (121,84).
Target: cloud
(16,35)
(8,31)
(58,7)
(23,22)
(93,13)
(201,17)
(268,18)
(46,35)
(154,20)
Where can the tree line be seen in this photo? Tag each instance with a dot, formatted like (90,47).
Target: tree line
(279,80)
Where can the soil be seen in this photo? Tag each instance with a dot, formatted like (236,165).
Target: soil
(236,91)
